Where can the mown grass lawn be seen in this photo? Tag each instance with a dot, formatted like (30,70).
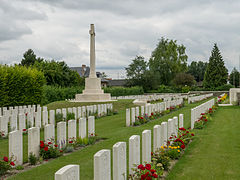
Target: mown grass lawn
(215,151)
(110,127)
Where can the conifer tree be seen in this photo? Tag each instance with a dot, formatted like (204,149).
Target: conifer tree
(216,73)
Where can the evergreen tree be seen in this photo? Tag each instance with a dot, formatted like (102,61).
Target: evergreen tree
(216,73)
(234,77)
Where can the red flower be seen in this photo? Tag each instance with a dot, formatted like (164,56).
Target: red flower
(143,176)
(155,175)
(183,146)
(170,137)
(5,159)
(41,142)
(182,129)
(192,134)
(141,167)
(49,142)
(56,145)
(148,166)
(187,131)
(153,171)
(148,178)
(41,145)
(12,163)
(70,142)
(46,148)
(24,130)
(151,153)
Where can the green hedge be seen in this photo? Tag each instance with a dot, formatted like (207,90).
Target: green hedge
(123,91)
(20,85)
(53,93)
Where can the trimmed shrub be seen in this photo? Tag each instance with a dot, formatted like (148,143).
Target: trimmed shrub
(20,85)
(123,91)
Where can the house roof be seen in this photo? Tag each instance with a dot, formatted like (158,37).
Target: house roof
(80,70)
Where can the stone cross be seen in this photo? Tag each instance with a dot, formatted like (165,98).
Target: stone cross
(92,52)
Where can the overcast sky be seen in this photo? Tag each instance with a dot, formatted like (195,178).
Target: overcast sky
(59,29)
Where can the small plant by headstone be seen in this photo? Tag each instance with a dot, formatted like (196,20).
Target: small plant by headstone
(32,159)
(58,117)
(19,167)
(70,116)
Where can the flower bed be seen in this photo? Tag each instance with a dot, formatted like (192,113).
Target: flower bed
(156,115)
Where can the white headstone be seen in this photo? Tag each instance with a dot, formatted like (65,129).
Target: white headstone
(69,172)
(134,152)
(52,117)
(133,115)
(16,146)
(45,117)
(13,122)
(156,137)
(22,122)
(4,125)
(64,112)
(82,128)
(75,112)
(72,130)
(170,127)
(146,146)
(137,111)
(164,134)
(79,112)
(49,133)
(102,165)
(142,111)
(33,141)
(119,161)
(181,121)
(128,118)
(61,134)
(175,122)
(91,126)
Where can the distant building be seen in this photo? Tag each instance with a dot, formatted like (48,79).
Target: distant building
(83,71)
(117,82)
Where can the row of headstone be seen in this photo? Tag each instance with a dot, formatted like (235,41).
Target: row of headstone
(134,112)
(202,108)
(29,118)
(16,142)
(194,99)
(102,159)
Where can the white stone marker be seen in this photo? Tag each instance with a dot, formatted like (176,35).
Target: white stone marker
(16,146)
(137,111)
(22,122)
(74,110)
(133,115)
(52,117)
(156,137)
(79,112)
(91,126)
(192,119)
(61,134)
(38,119)
(181,121)
(142,111)
(164,134)
(70,110)
(33,141)
(13,122)
(49,133)
(119,161)
(170,127)
(134,152)
(72,131)
(146,146)
(44,108)
(82,128)
(102,165)
(4,125)
(69,172)
(64,112)
(45,117)
(175,123)
(83,111)
(128,118)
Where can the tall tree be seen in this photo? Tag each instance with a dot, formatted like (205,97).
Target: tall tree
(29,58)
(183,79)
(197,69)
(135,71)
(234,77)
(216,73)
(167,60)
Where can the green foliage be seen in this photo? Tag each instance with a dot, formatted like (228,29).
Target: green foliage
(183,79)
(29,58)
(20,85)
(167,60)
(135,71)
(197,69)
(4,167)
(59,74)
(224,87)
(19,167)
(216,73)
(234,77)
(54,93)
(122,91)
(49,151)
(58,118)
(70,116)
(32,159)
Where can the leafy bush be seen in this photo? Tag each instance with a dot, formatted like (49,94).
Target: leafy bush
(5,165)
(124,91)
(49,150)
(20,85)
(224,87)
(19,167)
(54,93)
(32,159)
(58,117)
(70,116)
